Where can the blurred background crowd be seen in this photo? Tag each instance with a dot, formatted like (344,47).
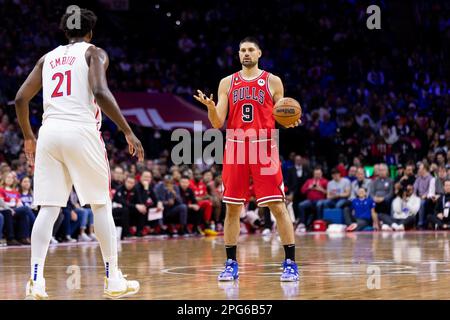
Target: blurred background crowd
(376,111)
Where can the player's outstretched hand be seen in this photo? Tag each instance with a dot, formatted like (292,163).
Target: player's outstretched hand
(30,150)
(135,146)
(209,102)
(295,124)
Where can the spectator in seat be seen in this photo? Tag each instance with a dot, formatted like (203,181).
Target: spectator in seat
(295,178)
(194,210)
(118,177)
(338,192)
(176,176)
(26,193)
(439,182)
(389,134)
(8,225)
(363,212)
(441,217)
(87,224)
(71,223)
(76,218)
(203,198)
(352,173)
(404,210)
(26,196)
(422,188)
(406,178)
(441,159)
(376,171)
(360,182)
(148,198)
(315,191)
(381,190)
(216,199)
(174,208)
(22,215)
(125,206)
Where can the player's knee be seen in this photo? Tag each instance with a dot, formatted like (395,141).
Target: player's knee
(277,208)
(234,209)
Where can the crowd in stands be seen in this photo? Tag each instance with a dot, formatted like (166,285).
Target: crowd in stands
(156,198)
(405,200)
(375,138)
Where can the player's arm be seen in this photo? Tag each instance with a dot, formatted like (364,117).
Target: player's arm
(217,113)
(98,63)
(27,91)
(277,89)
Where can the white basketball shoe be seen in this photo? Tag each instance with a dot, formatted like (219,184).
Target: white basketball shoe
(35,290)
(120,287)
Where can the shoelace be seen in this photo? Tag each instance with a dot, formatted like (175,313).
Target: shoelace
(289,269)
(228,269)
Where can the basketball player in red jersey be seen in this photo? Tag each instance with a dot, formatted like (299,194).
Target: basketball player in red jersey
(248,96)
(70,150)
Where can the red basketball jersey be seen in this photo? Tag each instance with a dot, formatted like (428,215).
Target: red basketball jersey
(250,103)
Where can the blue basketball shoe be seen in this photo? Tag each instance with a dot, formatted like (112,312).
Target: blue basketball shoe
(231,271)
(290,271)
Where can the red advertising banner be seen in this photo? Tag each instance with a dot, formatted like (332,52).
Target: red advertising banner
(160,110)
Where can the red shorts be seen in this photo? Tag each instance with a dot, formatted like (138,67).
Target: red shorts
(257,160)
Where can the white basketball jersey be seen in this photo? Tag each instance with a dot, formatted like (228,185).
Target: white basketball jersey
(67,93)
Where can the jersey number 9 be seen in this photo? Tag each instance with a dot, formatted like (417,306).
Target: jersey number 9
(247,113)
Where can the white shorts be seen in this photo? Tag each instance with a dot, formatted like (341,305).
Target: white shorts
(67,154)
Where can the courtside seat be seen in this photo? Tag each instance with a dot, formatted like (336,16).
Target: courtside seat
(334,215)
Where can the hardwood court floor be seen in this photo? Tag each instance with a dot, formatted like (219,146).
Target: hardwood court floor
(412,265)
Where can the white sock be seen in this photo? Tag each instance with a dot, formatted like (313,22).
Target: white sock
(40,240)
(105,230)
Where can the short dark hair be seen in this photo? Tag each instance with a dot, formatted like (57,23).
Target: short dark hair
(252,40)
(335,171)
(88,20)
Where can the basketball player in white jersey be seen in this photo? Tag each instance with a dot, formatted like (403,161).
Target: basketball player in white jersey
(70,150)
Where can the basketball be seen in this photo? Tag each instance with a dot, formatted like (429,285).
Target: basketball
(287,111)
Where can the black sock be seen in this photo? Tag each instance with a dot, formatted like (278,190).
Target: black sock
(231,252)
(289,251)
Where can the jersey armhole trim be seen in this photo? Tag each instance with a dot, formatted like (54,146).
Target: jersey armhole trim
(231,85)
(268,87)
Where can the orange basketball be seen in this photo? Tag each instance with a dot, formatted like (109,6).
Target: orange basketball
(287,111)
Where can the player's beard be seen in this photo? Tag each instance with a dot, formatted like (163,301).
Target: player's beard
(249,64)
